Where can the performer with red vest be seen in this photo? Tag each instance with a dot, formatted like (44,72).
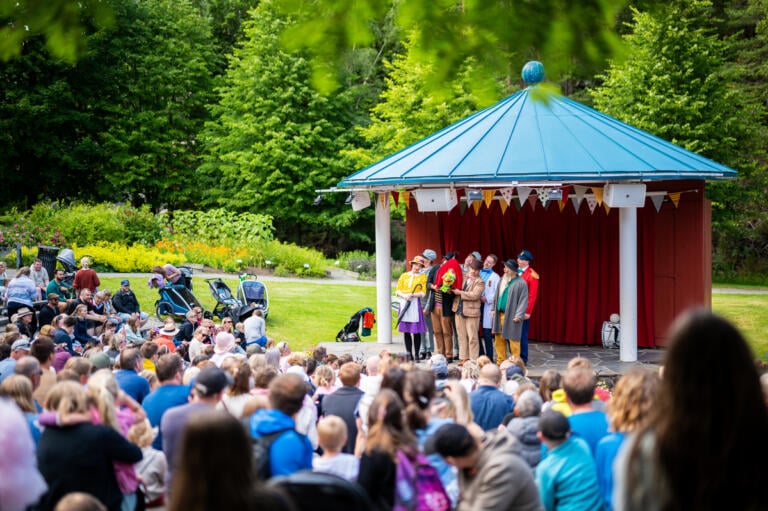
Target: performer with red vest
(531,278)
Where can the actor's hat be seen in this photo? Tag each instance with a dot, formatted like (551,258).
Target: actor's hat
(430,254)
(511,264)
(419,260)
(525,256)
(477,255)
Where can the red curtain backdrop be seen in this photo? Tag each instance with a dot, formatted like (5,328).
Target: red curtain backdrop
(576,255)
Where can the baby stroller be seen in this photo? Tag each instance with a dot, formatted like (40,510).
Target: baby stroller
(67,259)
(175,301)
(227,306)
(350,331)
(252,292)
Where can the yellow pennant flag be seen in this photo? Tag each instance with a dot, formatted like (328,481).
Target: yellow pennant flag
(476,206)
(675,198)
(561,205)
(488,197)
(504,205)
(607,208)
(598,195)
(383,198)
(405,197)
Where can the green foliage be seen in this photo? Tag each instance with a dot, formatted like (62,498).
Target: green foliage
(24,230)
(495,34)
(223,227)
(274,140)
(28,255)
(358,261)
(289,259)
(118,257)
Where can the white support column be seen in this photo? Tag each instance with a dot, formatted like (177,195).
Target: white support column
(383,269)
(628,283)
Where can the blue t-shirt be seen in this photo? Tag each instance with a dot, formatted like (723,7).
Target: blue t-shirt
(591,426)
(567,478)
(605,456)
(161,400)
(132,384)
(490,406)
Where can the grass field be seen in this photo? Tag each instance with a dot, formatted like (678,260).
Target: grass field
(305,314)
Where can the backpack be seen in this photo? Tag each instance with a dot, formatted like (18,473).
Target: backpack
(261,454)
(418,486)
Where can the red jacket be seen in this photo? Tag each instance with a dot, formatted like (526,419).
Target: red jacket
(532,279)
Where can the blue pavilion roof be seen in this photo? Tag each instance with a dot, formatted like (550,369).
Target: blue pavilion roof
(521,139)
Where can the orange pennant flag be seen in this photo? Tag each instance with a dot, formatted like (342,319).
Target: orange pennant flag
(504,205)
(383,199)
(607,208)
(476,206)
(405,197)
(488,197)
(675,198)
(598,195)
(561,205)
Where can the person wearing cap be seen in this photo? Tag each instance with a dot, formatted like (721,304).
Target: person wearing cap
(411,288)
(24,323)
(509,307)
(491,473)
(20,348)
(126,304)
(472,256)
(491,280)
(531,278)
(566,477)
(430,270)
(49,311)
(207,389)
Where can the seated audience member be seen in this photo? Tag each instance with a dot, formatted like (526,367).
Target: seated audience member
(491,473)
(332,436)
(79,501)
(167,334)
(489,404)
(524,426)
(187,328)
(344,402)
(25,322)
(19,349)
(20,292)
(39,276)
(61,288)
(128,379)
(255,329)
(586,422)
(566,477)
(132,332)
(170,393)
(291,451)
(152,466)
(21,484)
(150,351)
(126,304)
(48,311)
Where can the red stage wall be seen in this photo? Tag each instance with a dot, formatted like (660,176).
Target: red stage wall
(577,256)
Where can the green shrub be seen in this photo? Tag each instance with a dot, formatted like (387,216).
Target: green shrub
(126,259)
(22,229)
(28,255)
(359,261)
(287,259)
(222,227)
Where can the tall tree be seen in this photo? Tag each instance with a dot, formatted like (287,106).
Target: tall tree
(274,140)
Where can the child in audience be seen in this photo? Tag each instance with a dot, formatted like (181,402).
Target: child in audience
(152,466)
(332,437)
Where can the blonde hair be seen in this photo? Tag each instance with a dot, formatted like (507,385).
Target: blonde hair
(296,359)
(65,398)
(633,399)
(331,433)
(19,388)
(142,433)
(80,308)
(324,376)
(470,370)
(483,360)
(102,393)
(581,362)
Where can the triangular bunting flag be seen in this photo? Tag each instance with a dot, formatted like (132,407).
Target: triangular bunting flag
(488,197)
(561,205)
(462,207)
(383,199)
(576,202)
(504,205)
(466,194)
(523,192)
(579,191)
(565,190)
(543,195)
(406,198)
(532,201)
(591,202)
(607,208)
(476,206)
(506,194)
(675,198)
(657,200)
(395,197)
(598,192)
(518,205)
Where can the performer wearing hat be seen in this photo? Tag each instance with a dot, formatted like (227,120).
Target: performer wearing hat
(509,307)
(531,278)
(411,287)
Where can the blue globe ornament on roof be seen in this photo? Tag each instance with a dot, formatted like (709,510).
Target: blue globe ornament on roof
(533,72)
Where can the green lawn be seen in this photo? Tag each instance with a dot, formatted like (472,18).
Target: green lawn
(305,314)
(750,314)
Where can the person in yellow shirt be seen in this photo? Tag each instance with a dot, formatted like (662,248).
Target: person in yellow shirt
(411,288)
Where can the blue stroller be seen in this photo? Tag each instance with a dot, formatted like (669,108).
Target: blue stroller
(175,301)
(252,292)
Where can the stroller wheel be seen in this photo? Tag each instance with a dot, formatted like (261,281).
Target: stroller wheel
(164,310)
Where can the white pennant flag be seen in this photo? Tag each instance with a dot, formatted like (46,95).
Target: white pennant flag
(466,195)
(576,203)
(591,202)
(658,200)
(579,191)
(543,195)
(523,192)
(507,194)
